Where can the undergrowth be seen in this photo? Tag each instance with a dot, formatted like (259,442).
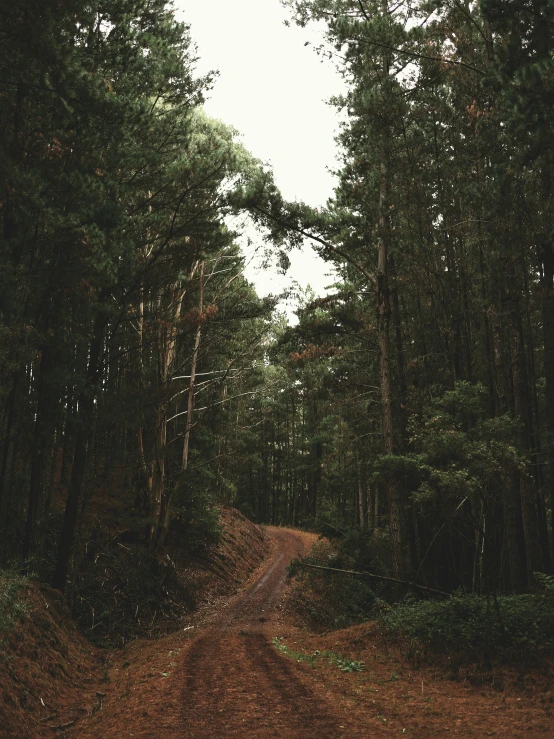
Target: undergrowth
(327,600)
(123,588)
(13,605)
(513,628)
(123,592)
(462,628)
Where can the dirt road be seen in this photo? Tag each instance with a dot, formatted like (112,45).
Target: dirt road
(238,685)
(226,680)
(222,677)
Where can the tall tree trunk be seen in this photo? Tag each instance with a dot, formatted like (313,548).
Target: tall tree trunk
(143,480)
(383,319)
(361,502)
(383,322)
(7,439)
(400,357)
(192,382)
(533,554)
(82,438)
(383,325)
(161,493)
(513,561)
(548,362)
(38,445)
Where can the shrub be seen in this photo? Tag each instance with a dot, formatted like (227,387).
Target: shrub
(328,600)
(368,551)
(195,522)
(122,591)
(510,626)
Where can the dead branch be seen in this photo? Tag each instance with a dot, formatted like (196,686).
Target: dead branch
(376,577)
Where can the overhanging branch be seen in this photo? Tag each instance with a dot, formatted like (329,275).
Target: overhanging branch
(323,242)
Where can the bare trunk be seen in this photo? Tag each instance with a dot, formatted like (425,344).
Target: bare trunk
(548,338)
(383,322)
(143,480)
(400,358)
(37,458)
(7,439)
(190,399)
(161,494)
(533,554)
(375,508)
(361,507)
(83,435)
(157,491)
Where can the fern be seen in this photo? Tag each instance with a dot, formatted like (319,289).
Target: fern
(545,581)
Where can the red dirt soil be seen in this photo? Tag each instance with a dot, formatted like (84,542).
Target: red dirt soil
(220,676)
(224,678)
(48,671)
(51,677)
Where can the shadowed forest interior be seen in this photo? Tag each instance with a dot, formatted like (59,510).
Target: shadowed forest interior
(144,385)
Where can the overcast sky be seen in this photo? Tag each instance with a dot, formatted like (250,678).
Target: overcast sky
(272,88)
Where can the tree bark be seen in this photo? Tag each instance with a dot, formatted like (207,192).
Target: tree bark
(548,339)
(80,457)
(190,396)
(37,457)
(7,438)
(533,555)
(383,323)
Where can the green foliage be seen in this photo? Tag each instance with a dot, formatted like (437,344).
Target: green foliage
(296,654)
(343,663)
(545,581)
(195,525)
(124,193)
(13,604)
(455,427)
(511,626)
(460,452)
(327,600)
(117,187)
(406,471)
(346,665)
(364,550)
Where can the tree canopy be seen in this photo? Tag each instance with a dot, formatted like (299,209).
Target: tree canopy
(140,371)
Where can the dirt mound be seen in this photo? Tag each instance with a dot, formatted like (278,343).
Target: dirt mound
(240,668)
(47,669)
(240,550)
(390,695)
(51,676)
(218,678)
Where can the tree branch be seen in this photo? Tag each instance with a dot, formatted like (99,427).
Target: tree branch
(321,241)
(376,577)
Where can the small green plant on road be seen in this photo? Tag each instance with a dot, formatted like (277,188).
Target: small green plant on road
(344,664)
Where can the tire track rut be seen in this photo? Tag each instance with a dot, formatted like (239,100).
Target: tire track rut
(236,684)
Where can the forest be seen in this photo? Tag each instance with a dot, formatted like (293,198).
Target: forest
(143,382)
